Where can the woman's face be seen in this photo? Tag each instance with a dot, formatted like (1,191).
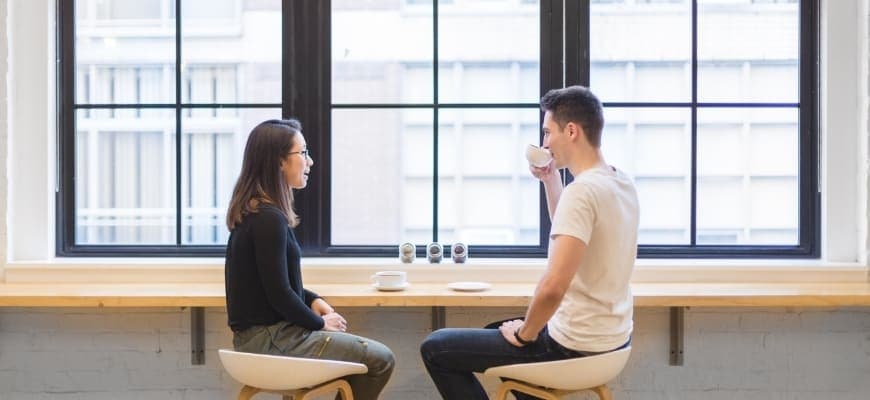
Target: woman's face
(297,164)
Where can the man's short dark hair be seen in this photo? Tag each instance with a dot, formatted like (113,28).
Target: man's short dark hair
(576,104)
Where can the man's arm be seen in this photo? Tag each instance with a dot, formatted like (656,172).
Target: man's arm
(564,260)
(552,181)
(553,190)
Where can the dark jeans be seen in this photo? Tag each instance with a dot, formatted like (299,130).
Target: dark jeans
(452,355)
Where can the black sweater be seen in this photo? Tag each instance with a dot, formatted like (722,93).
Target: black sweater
(263,276)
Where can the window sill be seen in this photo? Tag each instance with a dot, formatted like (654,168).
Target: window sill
(355,270)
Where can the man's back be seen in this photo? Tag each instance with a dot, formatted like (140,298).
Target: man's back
(599,207)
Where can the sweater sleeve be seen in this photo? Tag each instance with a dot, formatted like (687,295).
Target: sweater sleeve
(310,296)
(270,251)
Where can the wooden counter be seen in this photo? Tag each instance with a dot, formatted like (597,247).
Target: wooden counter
(437,294)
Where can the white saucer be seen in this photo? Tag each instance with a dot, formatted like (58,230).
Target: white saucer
(391,288)
(469,286)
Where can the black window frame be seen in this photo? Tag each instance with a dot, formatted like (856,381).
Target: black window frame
(306,95)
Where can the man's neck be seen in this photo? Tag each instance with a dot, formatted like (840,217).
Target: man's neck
(587,159)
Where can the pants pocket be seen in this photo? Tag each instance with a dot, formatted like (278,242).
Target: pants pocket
(323,346)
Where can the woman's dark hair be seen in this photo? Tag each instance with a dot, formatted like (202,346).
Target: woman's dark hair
(576,104)
(261,180)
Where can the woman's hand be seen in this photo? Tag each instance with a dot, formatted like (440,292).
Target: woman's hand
(334,322)
(321,307)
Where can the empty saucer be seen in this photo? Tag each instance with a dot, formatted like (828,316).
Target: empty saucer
(391,288)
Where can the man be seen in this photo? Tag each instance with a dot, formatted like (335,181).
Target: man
(582,305)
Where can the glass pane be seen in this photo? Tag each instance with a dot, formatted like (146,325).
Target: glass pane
(381,176)
(748,51)
(105,75)
(641,51)
(486,195)
(128,9)
(221,11)
(212,148)
(487,52)
(125,177)
(748,176)
(381,52)
(653,146)
(125,52)
(247,67)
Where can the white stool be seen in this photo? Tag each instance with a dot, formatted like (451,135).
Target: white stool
(291,377)
(553,379)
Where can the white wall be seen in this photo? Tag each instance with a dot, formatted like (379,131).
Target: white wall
(29,167)
(4,123)
(863,215)
(843,40)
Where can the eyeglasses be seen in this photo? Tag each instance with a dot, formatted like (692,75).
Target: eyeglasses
(305,153)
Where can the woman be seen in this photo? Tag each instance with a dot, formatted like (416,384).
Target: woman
(269,310)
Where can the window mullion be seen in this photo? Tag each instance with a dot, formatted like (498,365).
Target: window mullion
(306,95)
(693,127)
(178,127)
(435,121)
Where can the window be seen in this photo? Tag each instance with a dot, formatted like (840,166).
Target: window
(417,113)
(709,106)
(161,107)
(422,155)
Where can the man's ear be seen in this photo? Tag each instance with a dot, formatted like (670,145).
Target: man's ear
(573,130)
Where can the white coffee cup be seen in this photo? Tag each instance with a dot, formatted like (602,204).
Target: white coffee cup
(390,279)
(538,156)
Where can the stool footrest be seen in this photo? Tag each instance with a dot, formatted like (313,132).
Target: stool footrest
(340,385)
(544,393)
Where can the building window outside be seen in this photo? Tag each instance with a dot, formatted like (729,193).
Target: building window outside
(132,94)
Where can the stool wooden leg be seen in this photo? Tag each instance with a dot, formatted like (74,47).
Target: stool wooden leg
(340,385)
(507,386)
(344,390)
(248,392)
(603,392)
(286,397)
(502,393)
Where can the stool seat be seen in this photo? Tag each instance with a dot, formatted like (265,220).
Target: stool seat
(553,379)
(279,373)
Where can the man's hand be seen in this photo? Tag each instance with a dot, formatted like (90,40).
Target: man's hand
(321,307)
(545,174)
(507,330)
(334,322)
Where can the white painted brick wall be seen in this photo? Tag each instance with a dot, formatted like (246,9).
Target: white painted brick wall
(864,143)
(787,354)
(4,120)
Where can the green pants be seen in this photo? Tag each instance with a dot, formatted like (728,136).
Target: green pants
(284,339)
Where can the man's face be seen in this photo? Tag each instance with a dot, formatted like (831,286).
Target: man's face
(554,138)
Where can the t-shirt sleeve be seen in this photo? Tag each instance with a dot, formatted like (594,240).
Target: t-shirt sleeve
(576,213)
(270,238)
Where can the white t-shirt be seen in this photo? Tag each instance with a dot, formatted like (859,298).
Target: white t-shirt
(600,208)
